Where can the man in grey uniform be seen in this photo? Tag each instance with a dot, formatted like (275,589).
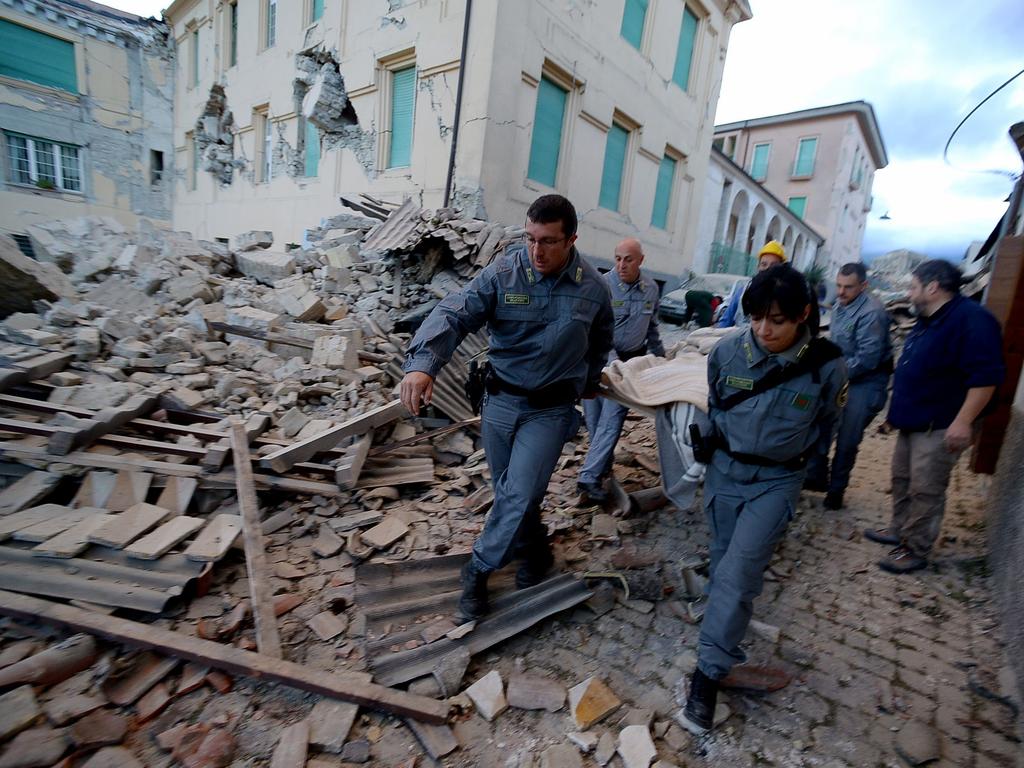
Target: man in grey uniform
(860,328)
(550,322)
(635,306)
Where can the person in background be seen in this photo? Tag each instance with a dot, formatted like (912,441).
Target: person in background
(771,255)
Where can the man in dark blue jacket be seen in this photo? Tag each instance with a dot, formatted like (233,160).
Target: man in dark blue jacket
(951,364)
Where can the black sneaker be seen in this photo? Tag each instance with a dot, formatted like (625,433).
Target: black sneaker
(591,493)
(882,536)
(833,500)
(474,602)
(902,560)
(699,713)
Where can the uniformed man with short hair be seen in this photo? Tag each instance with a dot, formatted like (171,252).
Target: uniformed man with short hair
(635,306)
(860,327)
(550,321)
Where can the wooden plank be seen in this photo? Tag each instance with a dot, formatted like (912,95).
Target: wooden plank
(159,542)
(256,564)
(73,541)
(214,541)
(107,420)
(346,472)
(95,489)
(252,333)
(353,687)
(430,435)
(286,458)
(38,367)
(130,488)
(177,494)
(47,529)
(30,516)
(217,454)
(27,491)
(378,473)
(120,530)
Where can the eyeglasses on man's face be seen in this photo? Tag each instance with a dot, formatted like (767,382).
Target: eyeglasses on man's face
(544,242)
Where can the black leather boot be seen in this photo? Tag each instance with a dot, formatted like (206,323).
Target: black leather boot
(537,561)
(473,603)
(699,713)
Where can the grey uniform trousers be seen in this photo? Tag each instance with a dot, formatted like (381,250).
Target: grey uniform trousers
(921,466)
(747,517)
(604,423)
(865,400)
(522,445)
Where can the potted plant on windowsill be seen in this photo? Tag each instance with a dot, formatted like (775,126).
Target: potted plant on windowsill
(46,184)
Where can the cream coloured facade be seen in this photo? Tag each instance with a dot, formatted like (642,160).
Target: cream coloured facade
(624,109)
(821,162)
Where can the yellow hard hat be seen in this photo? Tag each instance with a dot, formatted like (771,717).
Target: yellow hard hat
(773,248)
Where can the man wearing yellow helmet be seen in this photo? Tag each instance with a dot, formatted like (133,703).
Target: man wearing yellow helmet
(771,255)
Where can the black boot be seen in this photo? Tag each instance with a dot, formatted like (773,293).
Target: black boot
(833,500)
(536,564)
(473,603)
(699,713)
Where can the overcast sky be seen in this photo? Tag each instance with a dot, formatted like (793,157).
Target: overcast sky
(922,64)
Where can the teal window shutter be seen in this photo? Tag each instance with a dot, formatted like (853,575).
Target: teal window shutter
(798,205)
(684,51)
(633,17)
(403,102)
(805,157)
(233,52)
(547,132)
(663,192)
(26,54)
(759,165)
(312,149)
(318,9)
(614,163)
(195,57)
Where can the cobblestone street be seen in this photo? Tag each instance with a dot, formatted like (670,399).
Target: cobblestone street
(870,652)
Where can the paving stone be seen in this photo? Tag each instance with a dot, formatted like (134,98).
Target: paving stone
(329,724)
(18,710)
(591,701)
(535,692)
(636,748)
(488,695)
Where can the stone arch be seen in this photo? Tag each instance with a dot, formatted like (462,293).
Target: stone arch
(774,228)
(755,230)
(738,216)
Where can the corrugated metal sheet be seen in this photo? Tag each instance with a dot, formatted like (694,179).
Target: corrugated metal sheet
(394,233)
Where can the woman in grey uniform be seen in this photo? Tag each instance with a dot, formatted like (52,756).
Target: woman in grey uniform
(772,386)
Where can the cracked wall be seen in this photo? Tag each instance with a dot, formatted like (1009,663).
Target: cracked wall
(214,135)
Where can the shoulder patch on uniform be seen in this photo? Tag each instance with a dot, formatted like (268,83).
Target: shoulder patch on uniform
(844,395)
(739,382)
(749,351)
(579,274)
(649,305)
(618,302)
(517,298)
(802,401)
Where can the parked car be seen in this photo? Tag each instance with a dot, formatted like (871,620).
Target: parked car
(673,303)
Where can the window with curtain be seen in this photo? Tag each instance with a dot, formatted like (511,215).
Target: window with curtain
(403,102)
(805,155)
(684,50)
(614,166)
(798,205)
(759,163)
(27,54)
(633,17)
(546,142)
(42,163)
(663,192)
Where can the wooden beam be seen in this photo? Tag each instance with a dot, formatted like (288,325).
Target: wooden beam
(37,367)
(347,470)
(217,454)
(286,458)
(105,421)
(431,435)
(267,641)
(351,687)
(251,333)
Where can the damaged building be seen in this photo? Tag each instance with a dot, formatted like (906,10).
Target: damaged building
(78,141)
(608,104)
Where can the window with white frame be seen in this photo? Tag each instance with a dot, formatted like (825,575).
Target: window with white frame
(232,33)
(43,164)
(269,23)
(264,145)
(194,58)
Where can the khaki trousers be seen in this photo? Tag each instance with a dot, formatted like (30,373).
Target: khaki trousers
(921,466)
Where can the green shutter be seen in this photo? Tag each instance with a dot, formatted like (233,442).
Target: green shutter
(318,9)
(547,133)
(633,17)
(403,102)
(805,157)
(312,149)
(26,54)
(663,192)
(684,52)
(234,35)
(614,162)
(798,205)
(759,165)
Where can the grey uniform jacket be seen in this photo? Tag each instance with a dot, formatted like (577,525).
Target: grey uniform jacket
(635,307)
(861,330)
(783,422)
(542,329)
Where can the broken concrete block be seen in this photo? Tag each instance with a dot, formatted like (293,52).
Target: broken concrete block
(23,321)
(256,238)
(605,750)
(252,318)
(561,756)
(385,533)
(535,692)
(291,750)
(32,337)
(450,669)
(335,352)
(18,710)
(585,742)
(636,748)
(488,695)
(328,625)
(292,422)
(591,701)
(329,724)
(300,302)
(265,267)
(188,287)
(23,280)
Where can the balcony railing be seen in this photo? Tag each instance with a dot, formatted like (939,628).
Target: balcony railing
(732,261)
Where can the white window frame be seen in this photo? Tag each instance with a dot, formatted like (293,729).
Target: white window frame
(231,34)
(33,171)
(264,135)
(796,157)
(193,59)
(268,30)
(768,160)
(386,68)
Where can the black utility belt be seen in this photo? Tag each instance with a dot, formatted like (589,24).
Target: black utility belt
(551,396)
(761,461)
(624,356)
